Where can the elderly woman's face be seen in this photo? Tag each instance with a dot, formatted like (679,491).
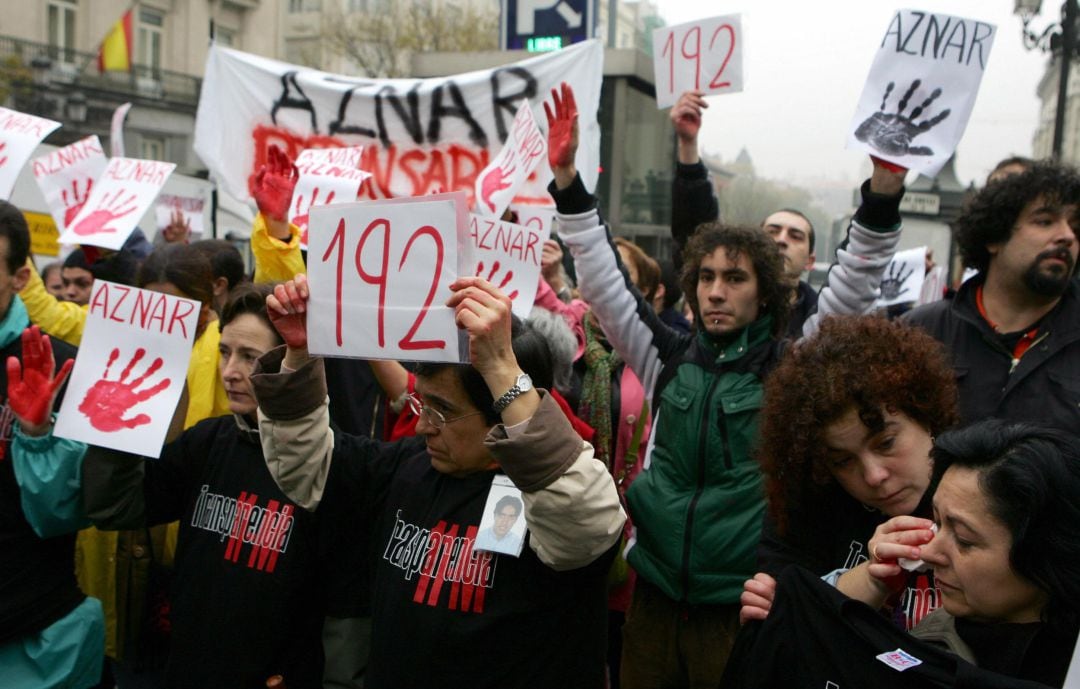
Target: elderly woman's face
(970,556)
(888,471)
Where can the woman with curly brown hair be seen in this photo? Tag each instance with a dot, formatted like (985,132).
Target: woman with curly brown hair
(846,431)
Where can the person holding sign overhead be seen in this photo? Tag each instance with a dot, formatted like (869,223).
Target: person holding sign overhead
(698,505)
(246,599)
(438,600)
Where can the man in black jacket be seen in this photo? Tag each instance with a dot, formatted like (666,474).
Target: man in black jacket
(1013,331)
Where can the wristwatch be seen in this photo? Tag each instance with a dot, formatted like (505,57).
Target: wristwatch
(522,384)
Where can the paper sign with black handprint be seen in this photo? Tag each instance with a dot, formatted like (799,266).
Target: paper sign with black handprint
(921,89)
(131,368)
(903,278)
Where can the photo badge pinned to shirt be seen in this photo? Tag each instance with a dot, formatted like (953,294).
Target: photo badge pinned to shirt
(502,528)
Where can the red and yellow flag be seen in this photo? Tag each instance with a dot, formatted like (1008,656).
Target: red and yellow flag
(116,50)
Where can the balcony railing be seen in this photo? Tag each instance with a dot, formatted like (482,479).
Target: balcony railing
(64,66)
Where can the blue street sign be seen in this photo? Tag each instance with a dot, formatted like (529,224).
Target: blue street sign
(571,21)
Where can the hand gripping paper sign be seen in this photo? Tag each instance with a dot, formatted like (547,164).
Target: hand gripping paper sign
(327,175)
(506,255)
(19,135)
(525,149)
(380,275)
(704,55)
(118,200)
(921,89)
(67,175)
(131,368)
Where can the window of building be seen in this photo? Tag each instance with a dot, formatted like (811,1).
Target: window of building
(305,5)
(61,20)
(225,37)
(148,40)
(152,148)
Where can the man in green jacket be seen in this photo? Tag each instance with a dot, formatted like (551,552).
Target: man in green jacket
(698,505)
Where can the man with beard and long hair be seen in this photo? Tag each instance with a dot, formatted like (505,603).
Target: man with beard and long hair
(1013,330)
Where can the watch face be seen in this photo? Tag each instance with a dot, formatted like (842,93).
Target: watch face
(524,382)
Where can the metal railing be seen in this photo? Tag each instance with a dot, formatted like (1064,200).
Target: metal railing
(17,57)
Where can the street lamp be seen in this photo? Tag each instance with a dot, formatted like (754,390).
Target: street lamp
(1059,40)
(40,67)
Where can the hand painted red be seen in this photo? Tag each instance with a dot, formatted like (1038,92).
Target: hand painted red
(112,207)
(179,228)
(31,384)
(107,401)
(494,182)
(287,308)
(562,127)
(274,184)
(74,204)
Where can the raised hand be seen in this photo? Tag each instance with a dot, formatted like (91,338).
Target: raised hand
(287,308)
(74,204)
(550,259)
(686,115)
(31,384)
(113,206)
(484,311)
(491,275)
(107,401)
(892,133)
(894,280)
(274,183)
(178,229)
(757,597)
(494,182)
(562,134)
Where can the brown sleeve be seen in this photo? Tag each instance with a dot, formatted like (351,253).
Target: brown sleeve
(542,452)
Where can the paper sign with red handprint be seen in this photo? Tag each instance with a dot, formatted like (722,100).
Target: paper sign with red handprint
(524,150)
(67,175)
(505,254)
(921,89)
(118,200)
(19,136)
(327,175)
(131,368)
(187,210)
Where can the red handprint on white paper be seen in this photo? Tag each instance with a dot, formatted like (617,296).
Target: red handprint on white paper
(111,207)
(107,401)
(491,274)
(3,160)
(494,182)
(75,202)
(301,213)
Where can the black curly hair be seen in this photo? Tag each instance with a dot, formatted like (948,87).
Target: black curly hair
(764,256)
(991,215)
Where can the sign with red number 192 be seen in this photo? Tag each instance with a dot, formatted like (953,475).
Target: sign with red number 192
(704,55)
(380,275)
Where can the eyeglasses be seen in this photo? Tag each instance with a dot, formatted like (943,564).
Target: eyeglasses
(434,416)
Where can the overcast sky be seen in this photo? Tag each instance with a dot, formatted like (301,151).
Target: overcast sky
(805,64)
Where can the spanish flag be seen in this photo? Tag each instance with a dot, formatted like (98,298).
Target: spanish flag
(115,51)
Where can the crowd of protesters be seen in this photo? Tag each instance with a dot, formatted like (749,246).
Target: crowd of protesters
(725,476)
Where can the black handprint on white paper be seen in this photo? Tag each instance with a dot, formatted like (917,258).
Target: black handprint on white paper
(892,134)
(894,279)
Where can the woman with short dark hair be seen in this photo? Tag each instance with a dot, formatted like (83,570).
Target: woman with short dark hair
(1007,556)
